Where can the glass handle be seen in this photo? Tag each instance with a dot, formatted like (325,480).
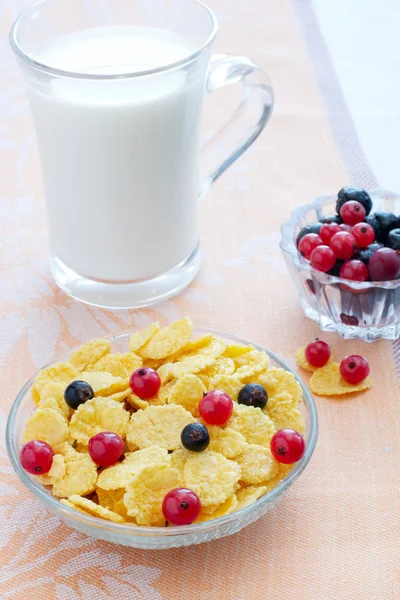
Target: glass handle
(246,124)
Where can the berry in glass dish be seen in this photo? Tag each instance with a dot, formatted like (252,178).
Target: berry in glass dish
(77,393)
(323,258)
(384,265)
(317,353)
(364,234)
(195,437)
(36,457)
(308,243)
(354,369)
(344,227)
(287,446)
(352,213)
(343,245)
(145,383)
(331,219)
(355,270)
(253,394)
(106,448)
(394,239)
(347,193)
(373,221)
(181,506)
(387,222)
(366,253)
(216,407)
(313,228)
(327,232)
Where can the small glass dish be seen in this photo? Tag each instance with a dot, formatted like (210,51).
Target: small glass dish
(366,310)
(157,537)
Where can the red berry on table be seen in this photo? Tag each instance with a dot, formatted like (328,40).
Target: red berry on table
(384,265)
(106,448)
(352,212)
(354,369)
(364,234)
(36,457)
(344,227)
(343,244)
(308,243)
(327,231)
(318,353)
(216,407)
(287,446)
(181,506)
(355,270)
(145,383)
(323,258)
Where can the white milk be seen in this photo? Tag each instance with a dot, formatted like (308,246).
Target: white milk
(120,157)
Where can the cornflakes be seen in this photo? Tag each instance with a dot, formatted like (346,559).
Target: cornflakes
(119,475)
(160,425)
(90,353)
(253,424)
(191,364)
(187,392)
(119,364)
(222,366)
(79,478)
(249,495)
(95,509)
(227,441)
(276,381)
(327,381)
(235,350)
(257,464)
(56,392)
(104,384)
(60,372)
(47,425)
(141,338)
(229,384)
(98,414)
(283,411)
(57,471)
(228,507)
(169,340)
(250,364)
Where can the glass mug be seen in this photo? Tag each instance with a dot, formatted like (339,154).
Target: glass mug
(116,90)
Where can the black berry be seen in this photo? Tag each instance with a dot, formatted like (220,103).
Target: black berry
(387,222)
(313,228)
(332,219)
(394,239)
(347,194)
(373,221)
(195,437)
(253,394)
(366,253)
(78,392)
(335,271)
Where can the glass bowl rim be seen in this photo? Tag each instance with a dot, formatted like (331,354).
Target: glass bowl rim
(288,246)
(40,492)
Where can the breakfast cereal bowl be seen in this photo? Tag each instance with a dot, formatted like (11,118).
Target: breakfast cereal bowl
(367,310)
(158,537)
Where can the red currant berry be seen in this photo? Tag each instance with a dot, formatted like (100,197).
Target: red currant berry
(328,231)
(36,457)
(181,506)
(344,227)
(145,383)
(308,243)
(318,353)
(355,270)
(364,234)
(352,212)
(343,244)
(287,446)
(106,448)
(216,407)
(354,369)
(323,258)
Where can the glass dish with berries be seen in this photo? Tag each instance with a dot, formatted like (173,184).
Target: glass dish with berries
(343,254)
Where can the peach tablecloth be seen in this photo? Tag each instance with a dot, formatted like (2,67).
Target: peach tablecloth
(336,535)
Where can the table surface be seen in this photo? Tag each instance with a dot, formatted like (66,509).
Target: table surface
(335,70)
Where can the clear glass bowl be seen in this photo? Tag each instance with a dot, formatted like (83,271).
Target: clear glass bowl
(156,537)
(368,310)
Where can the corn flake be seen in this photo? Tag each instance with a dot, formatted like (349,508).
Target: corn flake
(187,392)
(57,471)
(60,372)
(249,495)
(283,412)
(277,381)
(146,491)
(228,507)
(250,364)
(103,383)
(257,464)
(56,391)
(211,476)
(327,381)
(120,364)
(79,478)
(222,366)
(253,424)
(229,384)
(160,425)
(136,402)
(96,415)
(90,353)
(54,405)
(191,364)
(141,338)
(95,510)
(190,348)
(169,340)
(120,396)
(228,442)
(47,425)
(118,475)
(235,350)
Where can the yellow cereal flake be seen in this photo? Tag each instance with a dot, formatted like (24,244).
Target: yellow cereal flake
(257,464)
(283,412)
(47,425)
(103,383)
(120,364)
(253,424)
(160,425)
(113,500)
(66,502)
(136,402)
(90,353)
(120,396)
(141,338)
(169,340)
(205,379)
(53,404)
(327,381)
(79,478)
(250,364)
(163,394)
(179,458)
(214,348)
(56,391)
(229,384)
(277,381)
(146,491)
(211,476)
(95,510)
(235,350)
(228,442)
(228,507)
(191,364)
(119,475)
(61,372)
(222,366)
(57,471)
(187,392)
(189,348)
(303,362)
(249,495)
(96,415)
